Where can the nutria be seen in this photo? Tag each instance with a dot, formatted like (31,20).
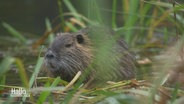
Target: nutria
(73,52)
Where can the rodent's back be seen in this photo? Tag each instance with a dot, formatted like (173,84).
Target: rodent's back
(108,58)
(117,62)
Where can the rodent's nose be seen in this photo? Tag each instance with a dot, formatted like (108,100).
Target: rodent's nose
(49,55)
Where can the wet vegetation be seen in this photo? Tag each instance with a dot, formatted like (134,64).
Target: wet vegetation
(153,30)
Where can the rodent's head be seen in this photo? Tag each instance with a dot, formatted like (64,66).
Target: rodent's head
(68,54)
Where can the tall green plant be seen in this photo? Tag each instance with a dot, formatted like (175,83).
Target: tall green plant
(131,19)
(14,32)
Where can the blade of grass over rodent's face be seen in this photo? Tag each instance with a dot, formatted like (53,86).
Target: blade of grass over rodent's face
(14,32)
(49,28)
(103,44)
(45,94)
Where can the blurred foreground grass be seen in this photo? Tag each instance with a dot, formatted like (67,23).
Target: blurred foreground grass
(147,26)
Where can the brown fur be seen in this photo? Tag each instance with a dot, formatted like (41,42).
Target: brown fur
(73,52)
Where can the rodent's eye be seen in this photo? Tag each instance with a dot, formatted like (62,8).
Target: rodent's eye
(80,39)
(68,45)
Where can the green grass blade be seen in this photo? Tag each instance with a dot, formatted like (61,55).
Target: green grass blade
(6,64)
(2,81)
(49,28)
(166,35)
(60,6)
(96,12)
(73,28)
(36,71)
(131,20)
(14,32)
(114,5)
(71,8)
(144,10)
(22,73)
(45,94)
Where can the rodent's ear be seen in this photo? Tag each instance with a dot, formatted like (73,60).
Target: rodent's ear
(85,30)
(80,38)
